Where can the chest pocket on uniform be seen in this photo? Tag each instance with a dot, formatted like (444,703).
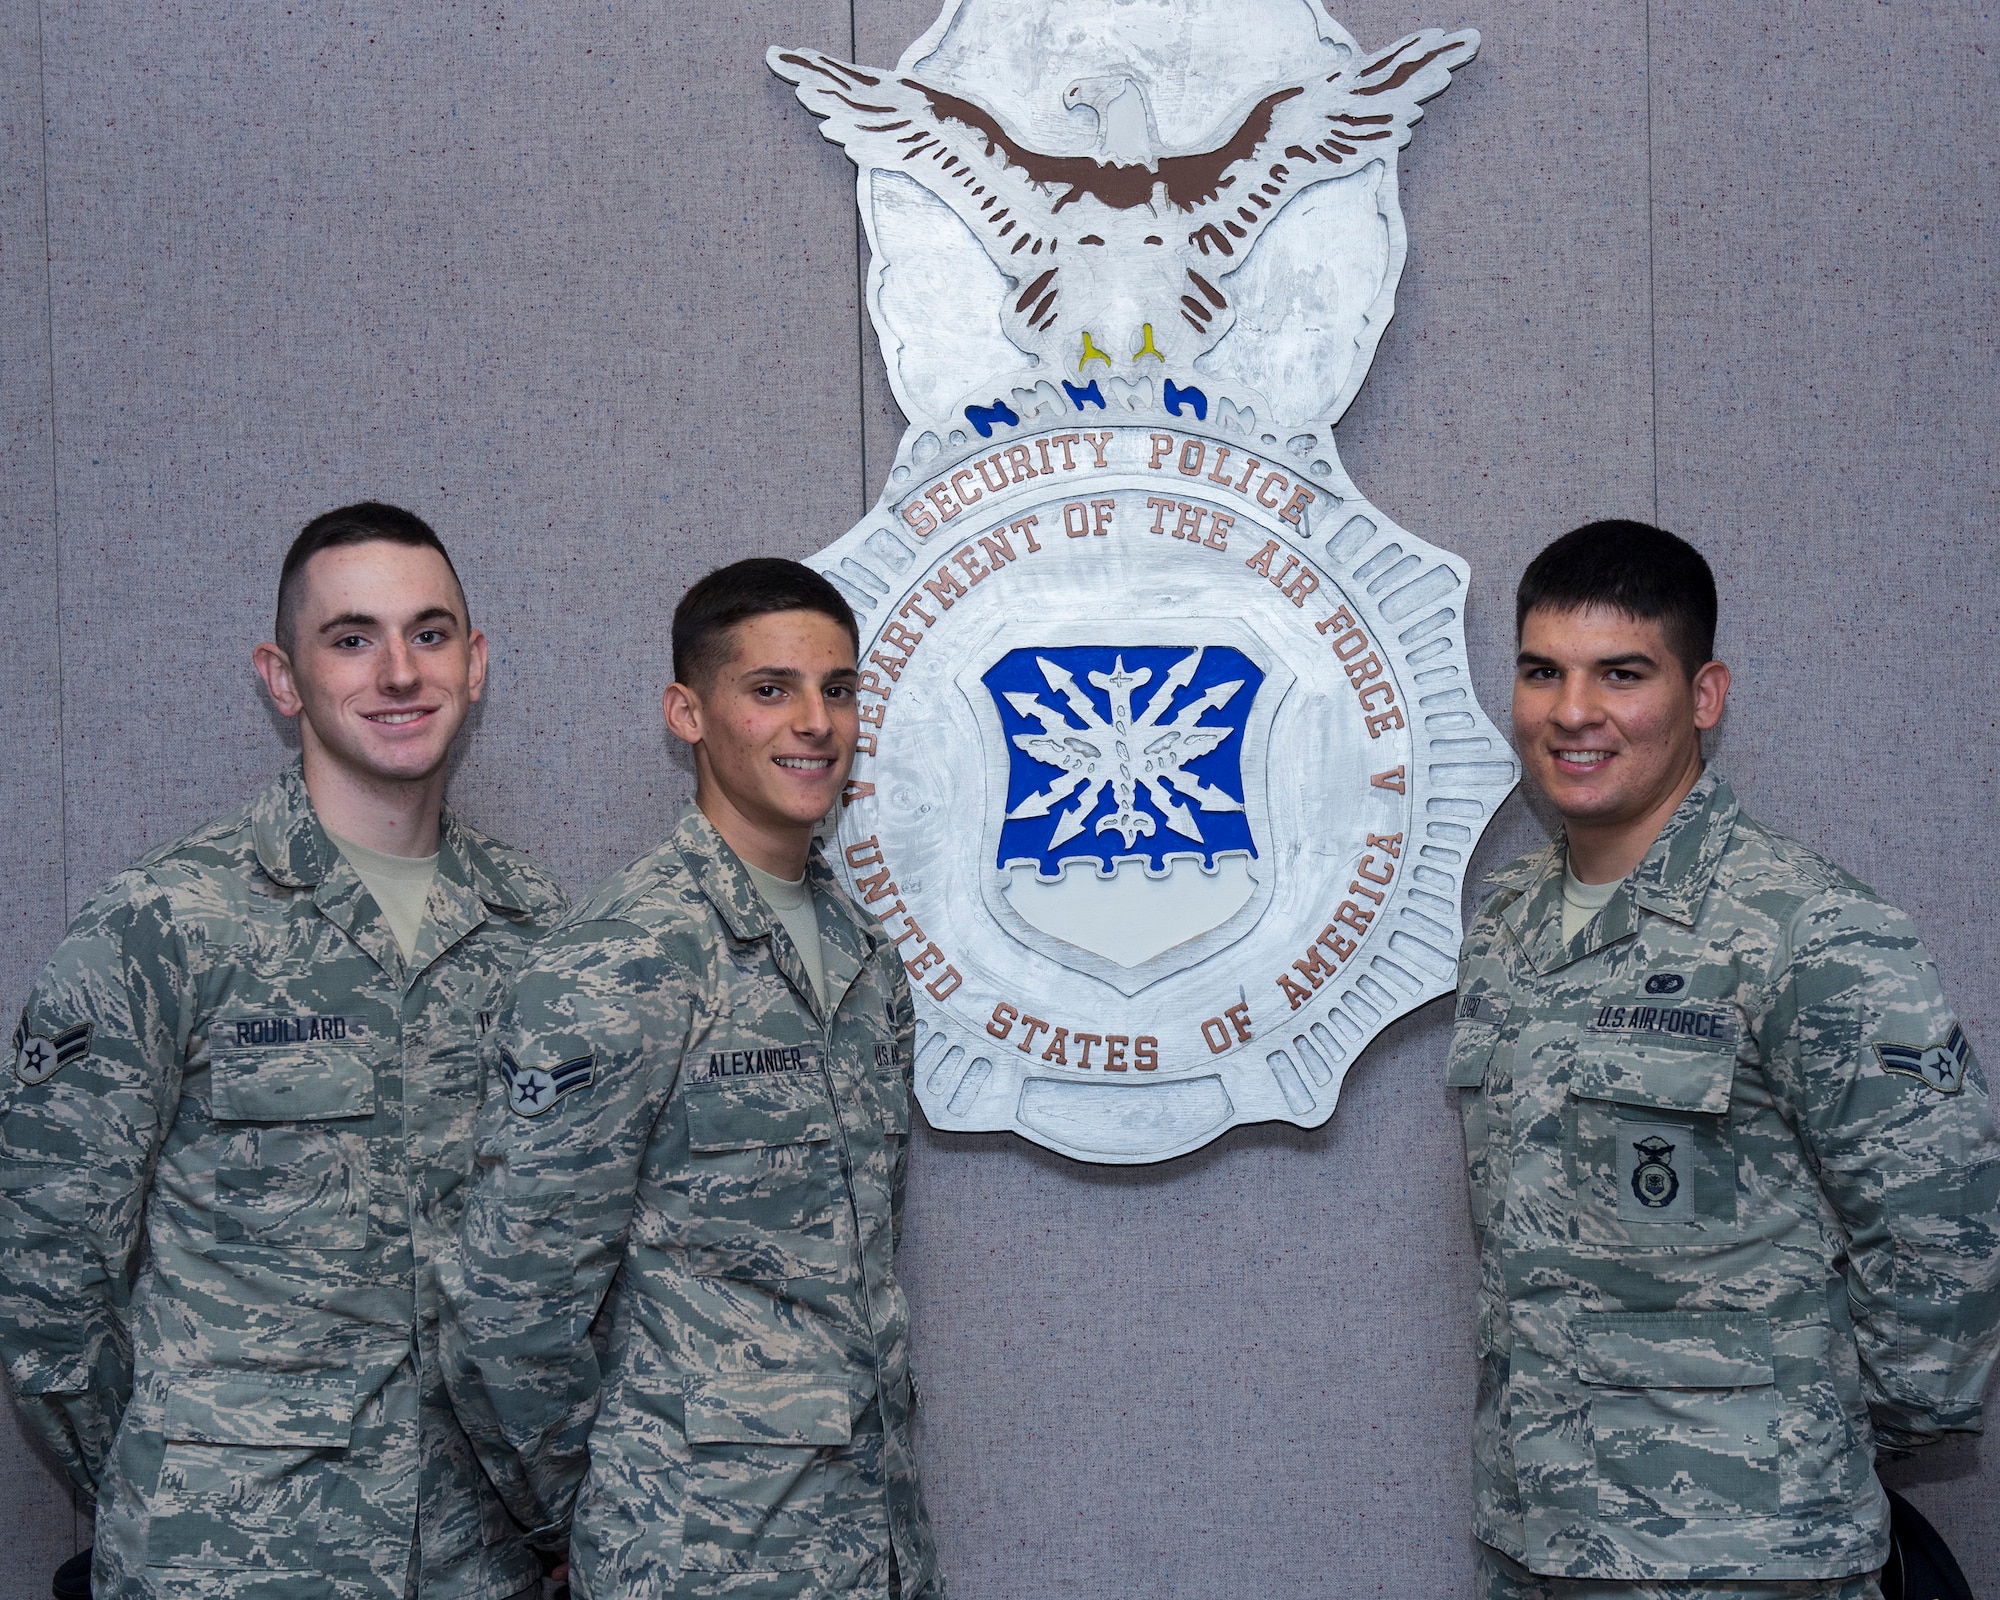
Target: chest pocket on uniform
(1474,1041)
(291,1166)
(764,1179)
(1649,1148)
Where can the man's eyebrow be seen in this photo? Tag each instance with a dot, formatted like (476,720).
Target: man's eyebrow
(361,619)
(1631,658)
(1528,658)
(789,674)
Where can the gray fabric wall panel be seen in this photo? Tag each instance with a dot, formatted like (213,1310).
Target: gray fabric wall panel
(539,282)
(1827,227)
(582,288)
(42,1522)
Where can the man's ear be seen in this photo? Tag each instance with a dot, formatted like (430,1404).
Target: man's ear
(682,707)
(1711,689)
(275,668)
(475,665)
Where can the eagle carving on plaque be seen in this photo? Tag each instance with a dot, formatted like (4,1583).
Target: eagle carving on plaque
(1170,765)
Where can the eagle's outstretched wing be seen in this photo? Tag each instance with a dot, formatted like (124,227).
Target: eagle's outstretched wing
(958,151)
(1324,128)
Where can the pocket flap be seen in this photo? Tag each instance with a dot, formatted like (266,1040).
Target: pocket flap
(316,1084)
(52,1372)
(796,1408)
(301,1410)
(1472,1047)
(748,1115)
(1665,1077)
(1676,1350)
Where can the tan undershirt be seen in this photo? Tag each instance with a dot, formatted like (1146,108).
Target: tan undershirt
(1582,901)
(401,886)
(793,903)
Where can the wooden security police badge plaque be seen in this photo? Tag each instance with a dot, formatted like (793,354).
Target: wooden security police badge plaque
(1170,765)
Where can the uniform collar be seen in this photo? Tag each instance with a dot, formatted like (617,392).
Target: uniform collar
(294,849)
(1671,882)
(847,939)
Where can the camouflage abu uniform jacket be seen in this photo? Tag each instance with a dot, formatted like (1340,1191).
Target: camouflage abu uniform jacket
(1737,1192)
(228,1061)
(674,1285)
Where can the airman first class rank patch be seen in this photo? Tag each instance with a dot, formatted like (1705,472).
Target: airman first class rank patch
(532,1091)
(37,1058)
(1936,1066)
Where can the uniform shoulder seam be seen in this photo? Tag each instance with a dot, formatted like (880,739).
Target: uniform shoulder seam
(1786,866)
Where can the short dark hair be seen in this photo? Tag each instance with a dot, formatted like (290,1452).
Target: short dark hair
(742,590)
(363,523)
(1632,567)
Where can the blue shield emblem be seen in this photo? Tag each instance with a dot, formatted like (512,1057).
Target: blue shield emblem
(1124,751)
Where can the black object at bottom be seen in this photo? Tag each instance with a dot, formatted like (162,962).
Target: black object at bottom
(72,1579)
(1920,1566)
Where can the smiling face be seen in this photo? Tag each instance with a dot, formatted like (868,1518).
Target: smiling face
(1608,724)
(383,667)
(773,730)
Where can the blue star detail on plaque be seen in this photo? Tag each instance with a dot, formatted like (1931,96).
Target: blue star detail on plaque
(1123,751)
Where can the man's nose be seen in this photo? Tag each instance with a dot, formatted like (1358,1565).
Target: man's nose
(1577,703)
(810,715)
(399,665)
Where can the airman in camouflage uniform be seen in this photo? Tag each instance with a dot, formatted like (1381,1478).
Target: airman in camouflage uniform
(233,1143)
(1737,1190)
(675,1290)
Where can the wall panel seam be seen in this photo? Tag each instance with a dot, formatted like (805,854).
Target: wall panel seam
(1652,272)
(55,454)
(79,1517)
(860,297)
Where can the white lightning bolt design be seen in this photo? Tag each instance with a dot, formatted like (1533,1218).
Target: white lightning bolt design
(1123,753)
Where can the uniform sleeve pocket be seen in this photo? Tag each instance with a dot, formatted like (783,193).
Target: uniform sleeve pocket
(1684,1413)
(757,1477)
(243,1471)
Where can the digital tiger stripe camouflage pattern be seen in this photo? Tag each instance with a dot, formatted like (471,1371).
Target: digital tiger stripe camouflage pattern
(281,1109)
(1729,1246)
(674,1307)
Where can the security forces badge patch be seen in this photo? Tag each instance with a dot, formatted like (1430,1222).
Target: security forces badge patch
(1170,764)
